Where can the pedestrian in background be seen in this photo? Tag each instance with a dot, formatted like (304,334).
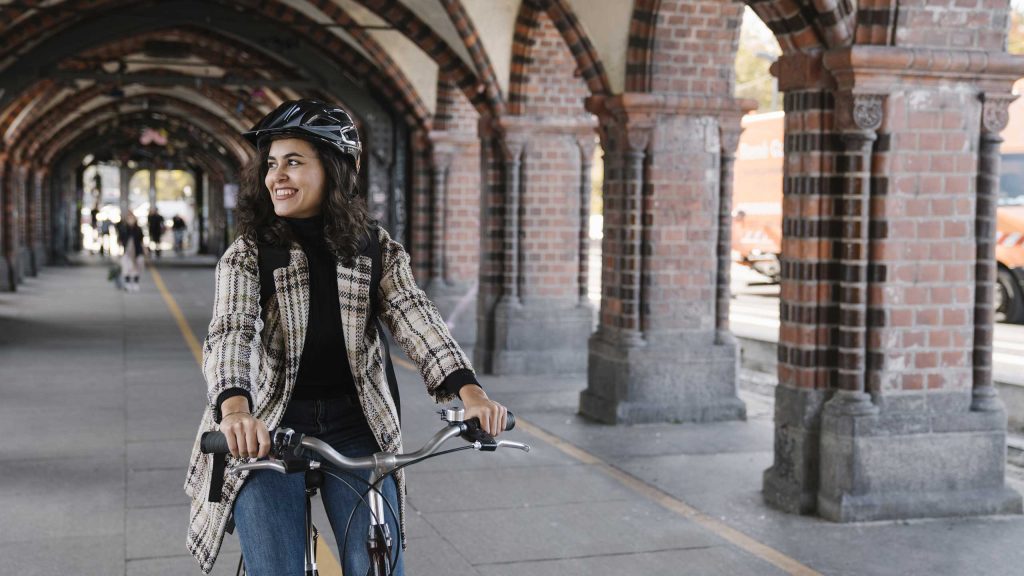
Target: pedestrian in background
(178,228)
(130,238)
(156,229)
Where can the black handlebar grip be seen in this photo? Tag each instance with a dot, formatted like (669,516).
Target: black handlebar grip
(213,443)
(510,422)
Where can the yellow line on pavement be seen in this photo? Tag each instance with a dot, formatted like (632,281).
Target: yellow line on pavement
(186,331)
(713,525)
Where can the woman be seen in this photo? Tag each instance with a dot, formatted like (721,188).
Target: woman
(130,238)
(307,358)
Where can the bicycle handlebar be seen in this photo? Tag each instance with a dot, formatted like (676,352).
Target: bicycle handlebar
(216,443)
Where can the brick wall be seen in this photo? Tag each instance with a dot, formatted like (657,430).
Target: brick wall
(695,46)
(545,77)
(980,24)
(923,250)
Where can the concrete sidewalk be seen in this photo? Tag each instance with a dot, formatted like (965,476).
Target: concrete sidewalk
(100,396)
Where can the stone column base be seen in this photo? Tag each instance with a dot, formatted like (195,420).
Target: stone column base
(457,304)
(39,257)
(541,338)
(7,281)
(669,379)
(918,457)
(791,484)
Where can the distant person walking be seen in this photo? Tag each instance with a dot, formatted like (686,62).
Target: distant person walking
(178,227)
(130,237)
(156,229)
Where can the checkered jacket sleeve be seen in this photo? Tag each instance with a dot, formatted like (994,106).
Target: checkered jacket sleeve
(415,322)
(231,341)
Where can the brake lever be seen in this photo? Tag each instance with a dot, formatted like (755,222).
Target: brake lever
(477,436)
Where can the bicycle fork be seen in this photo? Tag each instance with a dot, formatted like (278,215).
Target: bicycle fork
(314,480)
(378,541)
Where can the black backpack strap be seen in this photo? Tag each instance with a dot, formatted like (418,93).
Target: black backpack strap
(377,271)
(270,258)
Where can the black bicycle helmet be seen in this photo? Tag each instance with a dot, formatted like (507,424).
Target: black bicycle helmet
(314,120)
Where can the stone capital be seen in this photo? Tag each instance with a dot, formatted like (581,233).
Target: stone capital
(995,113)
(859,112)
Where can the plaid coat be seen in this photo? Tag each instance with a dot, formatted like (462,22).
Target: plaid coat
(262,356)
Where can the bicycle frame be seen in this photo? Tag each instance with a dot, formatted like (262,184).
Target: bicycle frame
(381,464)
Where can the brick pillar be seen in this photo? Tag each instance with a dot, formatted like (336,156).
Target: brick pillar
(34,225)
(454,230)
(538,325)
(6,278)
(899,437)
(15,211)
(218,241)
(807,314)
(656,355)
(419,217)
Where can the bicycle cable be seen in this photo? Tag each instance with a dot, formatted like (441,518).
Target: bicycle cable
(380,522)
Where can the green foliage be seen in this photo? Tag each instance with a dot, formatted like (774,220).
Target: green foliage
(1015,38)
(757,50)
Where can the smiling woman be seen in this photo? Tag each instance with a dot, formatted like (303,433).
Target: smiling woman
(309,355)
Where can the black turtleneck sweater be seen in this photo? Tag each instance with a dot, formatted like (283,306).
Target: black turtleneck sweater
(324,371)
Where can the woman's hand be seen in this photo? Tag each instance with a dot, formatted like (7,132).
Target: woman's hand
(491,414)
(247,437)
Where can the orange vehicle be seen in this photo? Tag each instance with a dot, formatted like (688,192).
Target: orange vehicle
(757,205)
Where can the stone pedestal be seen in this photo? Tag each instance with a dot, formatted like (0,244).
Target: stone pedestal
(917,457)
(540,337)
(7,282)
(791,484)
(676,378)
(457,304)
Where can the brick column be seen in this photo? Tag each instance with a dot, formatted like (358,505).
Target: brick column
(807,314)
(656,355)
(994,118)
(538,324)
(6,279)
(730,138)
(34,226)
(454,230)
(899,437)
(17,253)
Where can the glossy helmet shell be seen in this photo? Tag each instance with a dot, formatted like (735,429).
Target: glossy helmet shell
(313,120)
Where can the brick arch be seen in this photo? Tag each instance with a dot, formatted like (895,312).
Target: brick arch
(411,110)
(84,140)
(44,25)
(544,71)
(47,146)
(467,31)
(454,112)
(798,29)
(42,127)
(23,101)
(223,98)
(486,101)
(682,46)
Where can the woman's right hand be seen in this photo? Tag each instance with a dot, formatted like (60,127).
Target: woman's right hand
(247,436)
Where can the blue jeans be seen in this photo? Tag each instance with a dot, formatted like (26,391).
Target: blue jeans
(270,509)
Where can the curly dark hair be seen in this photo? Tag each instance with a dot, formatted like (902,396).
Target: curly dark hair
(344,211)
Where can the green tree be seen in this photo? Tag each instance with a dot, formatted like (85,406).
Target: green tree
(758,48)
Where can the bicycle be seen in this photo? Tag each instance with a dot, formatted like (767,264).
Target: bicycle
(285,442)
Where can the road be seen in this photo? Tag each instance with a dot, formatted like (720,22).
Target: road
(755,314)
